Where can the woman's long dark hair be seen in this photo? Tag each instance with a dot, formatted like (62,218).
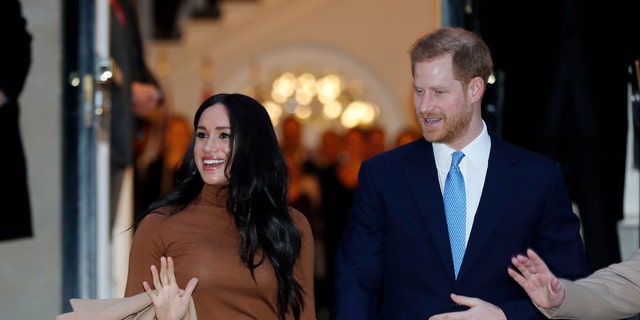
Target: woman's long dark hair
(257,199)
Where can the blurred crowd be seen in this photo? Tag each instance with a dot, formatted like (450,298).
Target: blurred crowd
(322,184)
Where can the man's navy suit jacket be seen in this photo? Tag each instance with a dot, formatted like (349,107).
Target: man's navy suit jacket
(396,241)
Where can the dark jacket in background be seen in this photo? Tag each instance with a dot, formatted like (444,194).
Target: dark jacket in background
(15,60)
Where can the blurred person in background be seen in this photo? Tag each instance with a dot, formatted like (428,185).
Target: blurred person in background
(156,174)
(376,141)
(328,154)
(329,149)
(15,61)
(135,97)
(291,143)
(338,191)
(407,135)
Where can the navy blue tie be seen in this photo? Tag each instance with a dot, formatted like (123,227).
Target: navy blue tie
(455,207)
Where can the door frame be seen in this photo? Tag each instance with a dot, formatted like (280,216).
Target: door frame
(85,205)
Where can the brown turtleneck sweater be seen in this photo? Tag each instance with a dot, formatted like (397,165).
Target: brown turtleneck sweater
(204,242)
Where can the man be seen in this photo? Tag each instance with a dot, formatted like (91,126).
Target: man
(609,293)
(15,60)
(395,259)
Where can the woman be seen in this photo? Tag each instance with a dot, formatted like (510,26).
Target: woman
(227,221)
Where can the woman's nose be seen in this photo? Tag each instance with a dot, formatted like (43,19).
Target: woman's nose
(209,146)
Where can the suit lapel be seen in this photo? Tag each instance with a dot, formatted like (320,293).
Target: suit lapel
(499,183)
(422,177)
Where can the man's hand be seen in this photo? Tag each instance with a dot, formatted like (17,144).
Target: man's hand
(478,310)
(542,286)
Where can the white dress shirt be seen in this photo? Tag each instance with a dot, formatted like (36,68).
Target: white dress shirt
(473,166)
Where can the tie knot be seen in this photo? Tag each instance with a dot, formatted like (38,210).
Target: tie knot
(456,157)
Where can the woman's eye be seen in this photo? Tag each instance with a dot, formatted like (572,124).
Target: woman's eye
(201,135)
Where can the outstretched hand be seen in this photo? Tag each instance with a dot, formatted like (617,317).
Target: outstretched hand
(478,309)
(170,302)
(542,286)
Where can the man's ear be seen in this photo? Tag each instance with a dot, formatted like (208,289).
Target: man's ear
(476,89)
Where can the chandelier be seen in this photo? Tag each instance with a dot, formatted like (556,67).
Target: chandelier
(327,98)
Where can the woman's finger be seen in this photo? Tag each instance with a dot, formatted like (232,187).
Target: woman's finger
(171,275)
(156,278)
(164,277)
